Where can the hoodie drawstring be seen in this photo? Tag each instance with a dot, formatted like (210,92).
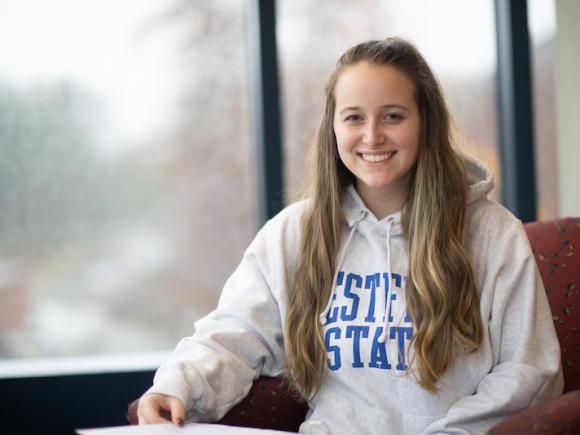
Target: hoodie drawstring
(324,315)
(383,335)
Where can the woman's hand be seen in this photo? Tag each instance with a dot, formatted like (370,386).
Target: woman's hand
(159,408)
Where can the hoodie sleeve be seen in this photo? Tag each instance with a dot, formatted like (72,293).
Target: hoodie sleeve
(526,365)
(242,338)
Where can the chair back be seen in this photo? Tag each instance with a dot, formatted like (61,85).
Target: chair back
(556,247)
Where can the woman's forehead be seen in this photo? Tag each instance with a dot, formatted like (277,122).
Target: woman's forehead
(364,83)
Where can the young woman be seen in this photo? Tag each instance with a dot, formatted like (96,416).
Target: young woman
(397,299)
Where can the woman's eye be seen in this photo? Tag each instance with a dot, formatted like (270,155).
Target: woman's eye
(352,118)
(392,117)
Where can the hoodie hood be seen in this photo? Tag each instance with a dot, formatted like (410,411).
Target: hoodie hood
(479,178)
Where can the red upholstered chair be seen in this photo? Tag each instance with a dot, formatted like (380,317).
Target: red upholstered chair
(270,405)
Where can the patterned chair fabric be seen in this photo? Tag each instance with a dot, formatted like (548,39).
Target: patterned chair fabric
(270,405)
(556,246)
(559,416)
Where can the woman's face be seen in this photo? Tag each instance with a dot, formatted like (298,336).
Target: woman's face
(377,124)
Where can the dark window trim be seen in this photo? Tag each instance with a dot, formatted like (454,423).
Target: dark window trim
(514,105)
(265,102)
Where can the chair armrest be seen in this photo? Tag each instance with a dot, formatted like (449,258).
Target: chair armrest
(270,404)
(558,416)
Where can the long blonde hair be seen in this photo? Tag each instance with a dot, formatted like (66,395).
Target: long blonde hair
(441,294)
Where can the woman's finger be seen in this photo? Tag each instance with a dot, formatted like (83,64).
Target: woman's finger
(177,411)
(140,419)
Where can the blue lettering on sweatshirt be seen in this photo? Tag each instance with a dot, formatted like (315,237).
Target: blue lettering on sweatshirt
(333,316)
(335,350)
(358,318)
(379,358)
(392,299)
(371,283)
(401,334)
(351,279)
(357,332)
(397,279)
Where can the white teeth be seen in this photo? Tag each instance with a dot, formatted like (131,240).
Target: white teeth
(377,158)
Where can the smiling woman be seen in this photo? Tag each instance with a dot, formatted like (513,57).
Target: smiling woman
(103,173)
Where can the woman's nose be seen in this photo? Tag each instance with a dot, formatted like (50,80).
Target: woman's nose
(373,134)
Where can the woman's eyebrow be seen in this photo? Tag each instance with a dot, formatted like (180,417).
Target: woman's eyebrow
(386,106)
(349,109)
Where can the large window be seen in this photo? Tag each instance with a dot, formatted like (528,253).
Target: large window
(125,170)
(456,37)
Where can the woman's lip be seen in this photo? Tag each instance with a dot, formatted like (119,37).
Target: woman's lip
(377,157)
(376,153)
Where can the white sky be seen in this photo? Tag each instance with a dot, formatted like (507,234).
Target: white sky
(455,36)
(100,46)
(542,19)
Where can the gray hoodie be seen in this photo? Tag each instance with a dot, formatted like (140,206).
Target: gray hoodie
(369,387)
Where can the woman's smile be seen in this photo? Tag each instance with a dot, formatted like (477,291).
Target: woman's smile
(377,158)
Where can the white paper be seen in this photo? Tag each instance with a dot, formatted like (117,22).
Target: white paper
(172,429)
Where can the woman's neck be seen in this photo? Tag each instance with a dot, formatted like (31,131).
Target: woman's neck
(382,202)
